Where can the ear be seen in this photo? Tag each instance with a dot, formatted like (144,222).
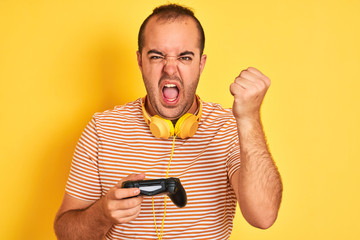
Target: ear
(202,62)
(139,60)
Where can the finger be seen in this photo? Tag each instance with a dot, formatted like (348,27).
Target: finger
(255,71)
(126,220)
(124,204)
(246,83)
(132,177)
(256,79)
(238,88)
(121,193)
(130,211)
(260,74)
(249,75)
(128,203)
(126,215)
(139,176)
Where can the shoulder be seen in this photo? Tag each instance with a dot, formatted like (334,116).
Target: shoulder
(126,112)
(215,112)
(217,119)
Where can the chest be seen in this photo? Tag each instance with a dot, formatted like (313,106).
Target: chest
(202,159)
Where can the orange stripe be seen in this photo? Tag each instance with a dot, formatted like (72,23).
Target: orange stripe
(118,142)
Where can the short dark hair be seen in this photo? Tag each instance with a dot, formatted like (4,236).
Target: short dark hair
(171,12)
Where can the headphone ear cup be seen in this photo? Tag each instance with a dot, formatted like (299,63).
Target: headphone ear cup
(161,128)
(186,126)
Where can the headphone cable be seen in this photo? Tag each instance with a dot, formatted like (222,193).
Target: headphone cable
(160,236)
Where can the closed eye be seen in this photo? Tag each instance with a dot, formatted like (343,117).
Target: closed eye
(185,58)
(156,57)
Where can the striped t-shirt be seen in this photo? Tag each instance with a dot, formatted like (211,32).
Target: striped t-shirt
(118,142)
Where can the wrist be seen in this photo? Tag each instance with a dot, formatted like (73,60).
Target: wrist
(248,119)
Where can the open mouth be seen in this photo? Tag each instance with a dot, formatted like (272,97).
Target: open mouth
(170,92)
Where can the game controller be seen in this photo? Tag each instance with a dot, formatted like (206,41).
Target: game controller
(170,186)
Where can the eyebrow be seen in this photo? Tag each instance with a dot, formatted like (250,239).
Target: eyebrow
(156,52)
(187,53)
(153,51)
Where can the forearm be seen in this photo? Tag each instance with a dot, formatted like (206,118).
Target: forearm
(260,187)
(88,223)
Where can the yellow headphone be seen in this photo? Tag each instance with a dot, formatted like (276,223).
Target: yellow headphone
(185,126)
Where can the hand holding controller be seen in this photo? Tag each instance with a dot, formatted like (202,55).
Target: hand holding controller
(170,186)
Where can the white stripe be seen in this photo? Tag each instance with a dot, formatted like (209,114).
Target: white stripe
(118,142)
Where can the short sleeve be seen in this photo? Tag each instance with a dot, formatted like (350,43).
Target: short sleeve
(233,161)
(83,181)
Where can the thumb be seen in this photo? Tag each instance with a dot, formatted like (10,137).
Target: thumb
(132,177)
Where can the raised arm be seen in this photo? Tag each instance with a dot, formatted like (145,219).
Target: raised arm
(257,184)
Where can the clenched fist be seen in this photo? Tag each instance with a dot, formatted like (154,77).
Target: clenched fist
(249,90)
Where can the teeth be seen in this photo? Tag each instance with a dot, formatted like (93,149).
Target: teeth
(170,85)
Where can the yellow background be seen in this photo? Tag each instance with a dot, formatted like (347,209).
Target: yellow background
(62,61)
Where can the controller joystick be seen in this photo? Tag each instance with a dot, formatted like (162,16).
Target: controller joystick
(170,186)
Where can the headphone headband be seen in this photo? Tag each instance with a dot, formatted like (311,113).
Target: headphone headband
(147,117)
(185,127)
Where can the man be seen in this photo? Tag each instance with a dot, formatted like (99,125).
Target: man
(118,142)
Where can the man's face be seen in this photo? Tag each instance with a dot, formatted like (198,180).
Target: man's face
(171,65)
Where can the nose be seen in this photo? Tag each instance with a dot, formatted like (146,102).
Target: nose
(170,65)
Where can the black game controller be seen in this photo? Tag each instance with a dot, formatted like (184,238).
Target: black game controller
(170,186)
